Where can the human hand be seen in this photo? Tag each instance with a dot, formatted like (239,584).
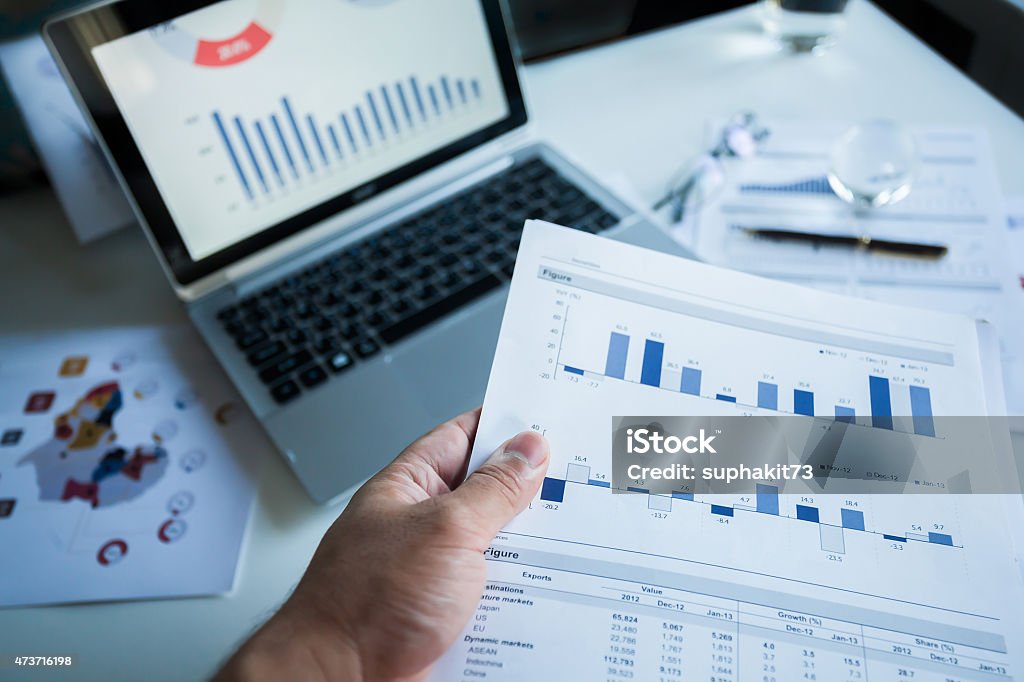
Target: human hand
(399,573)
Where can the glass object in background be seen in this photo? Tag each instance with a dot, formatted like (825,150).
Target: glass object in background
(873,164)
(803,25)
(701,179)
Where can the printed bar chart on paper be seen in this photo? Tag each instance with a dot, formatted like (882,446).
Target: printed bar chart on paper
(658,372)
(555,489)
(685,585)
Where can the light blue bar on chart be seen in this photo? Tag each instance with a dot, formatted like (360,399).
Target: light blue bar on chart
(767,395)
(852,519)
(691,381)
(845,414)
(767,499)
(921,410)
(618,351)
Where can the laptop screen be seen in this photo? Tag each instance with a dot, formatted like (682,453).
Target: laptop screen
(247,115)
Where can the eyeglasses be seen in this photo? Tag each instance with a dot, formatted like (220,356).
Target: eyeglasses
(700,181)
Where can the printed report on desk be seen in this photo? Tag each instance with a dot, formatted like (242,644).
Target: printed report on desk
(588,584)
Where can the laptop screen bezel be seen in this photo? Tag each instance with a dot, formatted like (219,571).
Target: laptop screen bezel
(72,39)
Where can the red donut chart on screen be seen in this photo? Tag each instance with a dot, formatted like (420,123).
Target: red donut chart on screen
(193,45)
(232,50)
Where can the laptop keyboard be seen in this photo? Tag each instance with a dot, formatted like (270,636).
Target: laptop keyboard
(321,321)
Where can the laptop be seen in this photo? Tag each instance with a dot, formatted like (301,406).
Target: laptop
(336,191)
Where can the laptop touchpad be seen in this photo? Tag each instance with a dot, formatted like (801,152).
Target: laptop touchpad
(448,365)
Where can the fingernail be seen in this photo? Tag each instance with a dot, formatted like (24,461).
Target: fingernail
(531,447)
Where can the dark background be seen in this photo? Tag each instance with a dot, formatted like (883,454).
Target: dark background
(982,38)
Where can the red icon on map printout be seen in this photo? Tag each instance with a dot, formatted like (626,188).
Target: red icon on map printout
(112,552)
(40,401)
(171,530)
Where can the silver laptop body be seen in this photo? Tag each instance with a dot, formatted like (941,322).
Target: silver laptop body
(338,432)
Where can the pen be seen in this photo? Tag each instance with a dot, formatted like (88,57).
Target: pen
(864,242)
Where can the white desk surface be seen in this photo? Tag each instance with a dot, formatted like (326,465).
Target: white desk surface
(637,107)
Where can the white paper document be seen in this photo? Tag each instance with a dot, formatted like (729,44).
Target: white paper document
(954,200)
(591,585)
(127,468)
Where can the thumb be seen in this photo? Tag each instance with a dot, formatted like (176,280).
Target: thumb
(503,485)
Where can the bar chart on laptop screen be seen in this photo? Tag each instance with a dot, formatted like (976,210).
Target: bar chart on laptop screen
(248,112)
(742,586)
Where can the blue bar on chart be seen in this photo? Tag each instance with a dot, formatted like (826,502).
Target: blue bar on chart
(252,155)
(650,372)
(805,513)
(940,539)
(311,124)
(432,92)
(447,91)
(284,144)
(636,489)
(721,510)
(231,153)
(404,102)
(881,404)
(725,398)
(767,499)
(265,142)
(599,483)
(683,496)
(572,370)
(618,350)
(349,135)
(845,414)
(295,129)
(376,114)
(803,402)
(852,519)
(334,140)
(690,383)
(921,410)
(419,98)
(391,109)
(553,489)
(897,538)
(363,128)
(767,395)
